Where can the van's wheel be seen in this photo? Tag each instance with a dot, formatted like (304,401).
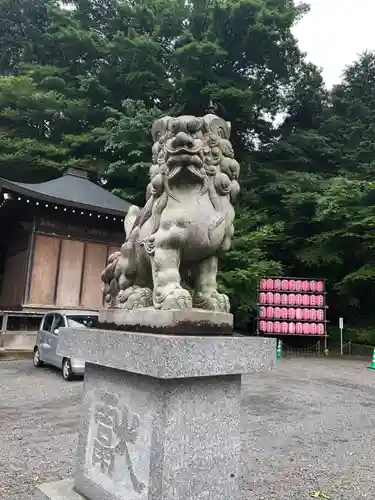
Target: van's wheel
(36,358)
(67,372)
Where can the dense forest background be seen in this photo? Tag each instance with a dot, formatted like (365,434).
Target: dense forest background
(81,82)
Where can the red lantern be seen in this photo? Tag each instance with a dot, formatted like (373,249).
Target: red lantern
(262,326)
(298,299)
(320,315)
(305,300)
(276,298)
(306,328)
(321,328)
(320,286)
(284,285)
(299,328)
(269,284)
(320,300)
(313,329)
(292,314)
(284,299)
(292,328)
(263,298)
(277,313)
(269,327)
(313,300)
(292,285)
(263,284)
(298,286)
(262,312)
(277,284)
(313,314)
(299,313)
(291,299)
(284,313)
(277,327)
(312,286)
(270,312)
(269,298)
(305,286)
(306,314)
(284,327)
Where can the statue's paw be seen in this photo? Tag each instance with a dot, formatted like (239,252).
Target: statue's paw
(224,303)
(135,297)
(179,298)
(214,301)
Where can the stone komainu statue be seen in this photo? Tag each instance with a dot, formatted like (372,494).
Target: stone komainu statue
(186,221)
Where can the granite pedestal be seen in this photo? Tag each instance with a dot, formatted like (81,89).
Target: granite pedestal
(161,415)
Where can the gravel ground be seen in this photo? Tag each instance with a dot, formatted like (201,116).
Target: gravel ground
(308,427)
(39,416)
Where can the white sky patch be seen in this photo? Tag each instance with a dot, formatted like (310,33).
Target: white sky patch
(335,32)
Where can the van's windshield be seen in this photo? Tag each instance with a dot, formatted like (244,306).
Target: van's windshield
(82,321)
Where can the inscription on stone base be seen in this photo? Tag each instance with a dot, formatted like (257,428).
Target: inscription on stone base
(117,454)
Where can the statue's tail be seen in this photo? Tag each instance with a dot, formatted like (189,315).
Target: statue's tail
(121,268)
(131,219)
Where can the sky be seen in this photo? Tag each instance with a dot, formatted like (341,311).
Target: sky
(334,32)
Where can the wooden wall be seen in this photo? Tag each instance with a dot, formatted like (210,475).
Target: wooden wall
(44,269)
(13,280)
(66,272)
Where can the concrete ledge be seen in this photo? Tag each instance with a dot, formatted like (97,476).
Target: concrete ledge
(13,354)
(169,356)
(19,341)
(59,490)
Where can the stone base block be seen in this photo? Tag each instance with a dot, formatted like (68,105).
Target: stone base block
(176,322)
(59,490)
(149,439)
(161,414)
(168,356)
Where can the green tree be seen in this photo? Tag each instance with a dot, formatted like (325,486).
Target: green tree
(344,243)
(48,96)
(127,137)
(247,262)
(320,185)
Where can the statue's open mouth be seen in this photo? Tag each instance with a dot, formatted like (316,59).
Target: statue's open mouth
(182,162)
(183,155)
(184,159)
(183,149)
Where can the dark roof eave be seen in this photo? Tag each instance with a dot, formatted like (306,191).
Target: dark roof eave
(43,197)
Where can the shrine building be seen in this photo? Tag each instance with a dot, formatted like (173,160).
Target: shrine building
(56,237)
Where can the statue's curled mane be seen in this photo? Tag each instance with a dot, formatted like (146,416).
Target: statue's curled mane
(203,145)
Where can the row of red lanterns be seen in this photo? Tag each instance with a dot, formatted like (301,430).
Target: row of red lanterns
(292,328)
(291,285)
(292,299)
(291,313)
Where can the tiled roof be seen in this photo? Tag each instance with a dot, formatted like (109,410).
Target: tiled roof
(72,189)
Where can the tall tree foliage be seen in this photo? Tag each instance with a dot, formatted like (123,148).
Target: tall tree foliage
(320,183)
(345,207)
